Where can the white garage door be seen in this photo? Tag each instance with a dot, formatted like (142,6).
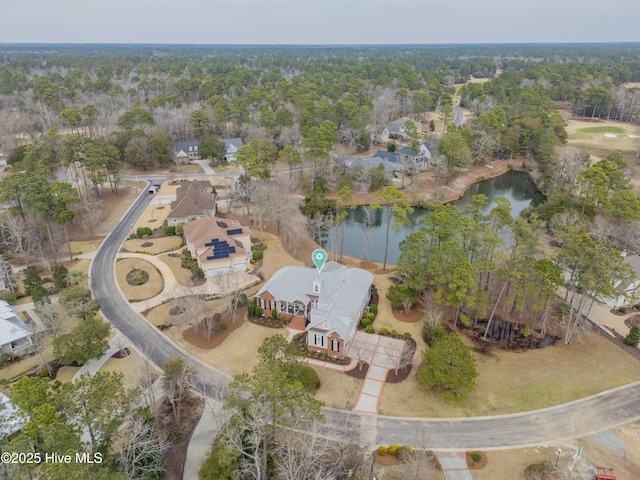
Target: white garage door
(239,267)
(217,271)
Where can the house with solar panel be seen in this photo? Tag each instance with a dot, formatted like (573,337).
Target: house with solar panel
(194,200)
(15,336)
(220,245)
(331,302)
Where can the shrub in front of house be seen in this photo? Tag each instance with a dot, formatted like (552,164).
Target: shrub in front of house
(373,309)
(369,329)
(383,331)
(406,335)
(170,230)
(365,322)
(382,450)
(258,311)
(393,449)
(198,273)
(256,253)
(622,309)
(370,316)
(394,333)
(251,308)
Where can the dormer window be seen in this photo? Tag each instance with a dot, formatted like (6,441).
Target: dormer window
(191,149)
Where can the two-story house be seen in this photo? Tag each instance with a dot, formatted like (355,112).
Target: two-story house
(332,302)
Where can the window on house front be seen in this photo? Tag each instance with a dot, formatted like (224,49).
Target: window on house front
(335,345)
(263,304)
(318,340)
(272,305)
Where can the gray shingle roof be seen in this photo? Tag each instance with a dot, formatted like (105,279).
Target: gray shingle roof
(341,294)
(184,146)
(236,142)
(12,328)
(193,199)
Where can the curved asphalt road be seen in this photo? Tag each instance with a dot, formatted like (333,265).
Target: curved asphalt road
(600,412)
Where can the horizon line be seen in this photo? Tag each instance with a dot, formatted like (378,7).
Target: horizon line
(532,43)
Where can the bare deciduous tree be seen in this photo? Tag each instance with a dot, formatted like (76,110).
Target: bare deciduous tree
(432,313)
(51,320)
(177,379)
(140,449)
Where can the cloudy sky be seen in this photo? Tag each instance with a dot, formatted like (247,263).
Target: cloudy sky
(318,21)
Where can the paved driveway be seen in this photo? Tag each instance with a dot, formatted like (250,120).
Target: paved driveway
(382,354)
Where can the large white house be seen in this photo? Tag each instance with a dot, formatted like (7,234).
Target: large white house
(332,302)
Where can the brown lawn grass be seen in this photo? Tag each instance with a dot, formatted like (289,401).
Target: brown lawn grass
(139,292)
(515,382)
(183,276)
(65,374)
(160,245)
(336,388)
(153,217)
(85,246)
(131,367)
(83,265)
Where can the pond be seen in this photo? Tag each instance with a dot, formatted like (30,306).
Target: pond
(358,239)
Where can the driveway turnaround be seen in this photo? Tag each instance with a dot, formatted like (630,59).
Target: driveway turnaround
(381,354)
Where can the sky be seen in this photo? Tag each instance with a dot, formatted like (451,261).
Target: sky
(318,21)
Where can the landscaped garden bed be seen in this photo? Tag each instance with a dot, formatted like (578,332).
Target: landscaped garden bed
(137,277)
(476,460)
(300,342)
(265,319)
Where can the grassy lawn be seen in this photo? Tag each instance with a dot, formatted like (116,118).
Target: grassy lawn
(183,276)
(515,382)
(138,292)
(159,245)
(153,217)
(336,388)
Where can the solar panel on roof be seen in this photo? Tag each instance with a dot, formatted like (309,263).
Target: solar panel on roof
(235,231)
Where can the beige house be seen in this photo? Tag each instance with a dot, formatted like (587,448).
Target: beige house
(14,334)
(331,302)
(194,200)
(220,245)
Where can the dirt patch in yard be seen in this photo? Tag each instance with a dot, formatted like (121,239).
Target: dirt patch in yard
(200,340)
(179,436)
(415,315)
(139,292)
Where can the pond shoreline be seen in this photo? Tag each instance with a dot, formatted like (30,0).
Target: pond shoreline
(454,190)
